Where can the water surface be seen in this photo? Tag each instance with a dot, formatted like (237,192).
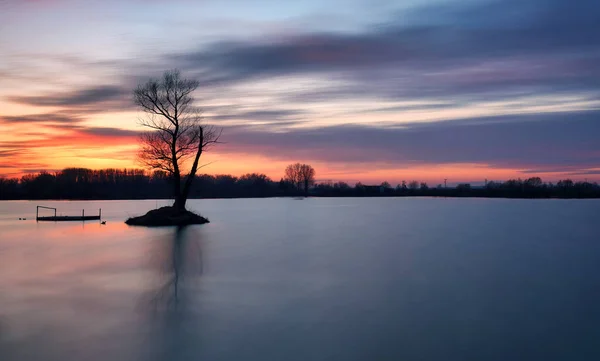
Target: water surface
(316,279)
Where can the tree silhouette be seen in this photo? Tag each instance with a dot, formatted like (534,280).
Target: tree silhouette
(300,175)
(413,185)
(176,136)
(534,182)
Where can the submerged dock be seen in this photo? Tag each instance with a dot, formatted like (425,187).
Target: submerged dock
(61,218)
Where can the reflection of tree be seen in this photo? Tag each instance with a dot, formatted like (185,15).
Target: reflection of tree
(173,328)
(183,266)
(2,337)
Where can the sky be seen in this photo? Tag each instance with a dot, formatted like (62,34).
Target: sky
(363,90)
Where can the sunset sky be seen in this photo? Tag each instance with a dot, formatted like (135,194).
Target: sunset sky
(364,90)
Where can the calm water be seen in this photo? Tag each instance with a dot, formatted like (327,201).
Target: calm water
(316,279)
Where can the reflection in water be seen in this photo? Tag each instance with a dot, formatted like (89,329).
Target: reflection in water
(3,342)
(173,318)
(300,283)
(182,258)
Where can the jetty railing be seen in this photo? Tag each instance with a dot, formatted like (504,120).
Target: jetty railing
(37,211)
(56,218)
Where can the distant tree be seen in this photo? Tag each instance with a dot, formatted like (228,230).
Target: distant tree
(159,175)
(40,185)
(463,187)
(301,175)
(413,185)
(9,188)
(404,185)
(514,184)
(424,186)
(292,174)
(341,185)
(386,185)
(565,184)
(177,137)
(533,182)
(254,178)
(491,185)
(255,184)
(283,184)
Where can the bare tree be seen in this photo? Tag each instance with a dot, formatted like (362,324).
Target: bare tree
(300,175)
(413,185)
(176,137)
(292,174)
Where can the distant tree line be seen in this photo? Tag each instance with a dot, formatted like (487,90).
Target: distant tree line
(514,188)
(82,183)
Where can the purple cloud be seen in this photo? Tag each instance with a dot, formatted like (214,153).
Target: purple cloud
(561,141)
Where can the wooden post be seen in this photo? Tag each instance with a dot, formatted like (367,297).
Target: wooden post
(100,214)
(82,214)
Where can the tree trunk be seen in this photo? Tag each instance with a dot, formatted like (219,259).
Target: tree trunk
(190,178)
(186,189)
(179,204)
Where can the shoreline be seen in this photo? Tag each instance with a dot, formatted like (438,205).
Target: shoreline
(293,197)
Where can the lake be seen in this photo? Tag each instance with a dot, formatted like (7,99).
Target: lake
(313,279)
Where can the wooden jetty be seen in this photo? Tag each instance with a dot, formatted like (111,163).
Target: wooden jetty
(56,218)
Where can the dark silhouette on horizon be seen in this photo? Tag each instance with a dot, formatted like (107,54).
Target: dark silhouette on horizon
(82,183)
(300,175)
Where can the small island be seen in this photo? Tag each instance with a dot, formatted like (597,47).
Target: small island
(167,216)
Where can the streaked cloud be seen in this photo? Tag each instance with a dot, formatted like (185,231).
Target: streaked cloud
(521,47)
(93,95)
(39,118)
(566,142)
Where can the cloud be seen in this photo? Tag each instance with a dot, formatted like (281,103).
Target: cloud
(83,97)
(18,157)
(61,118)
(467,51)
(278,116)
(10,152)
(83,138)
(563,141)
(588,172)
(543,170)
(454,50)
(109,132)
